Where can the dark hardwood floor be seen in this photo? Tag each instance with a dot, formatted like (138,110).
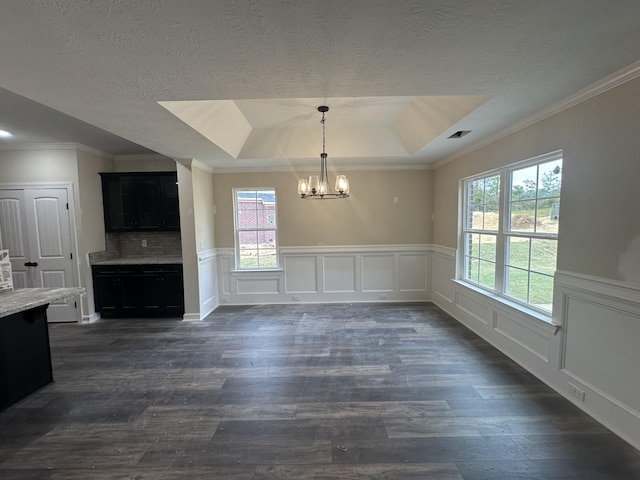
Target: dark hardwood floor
(365,391)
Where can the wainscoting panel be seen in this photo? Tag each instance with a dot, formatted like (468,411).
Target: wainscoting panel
(339,274)
(208,282)
(380,273)
(415,272)
(300,274)
(256,285)
(601,348)
(520,333)
(375,273)
(442,272)
(225,265)
(474,308)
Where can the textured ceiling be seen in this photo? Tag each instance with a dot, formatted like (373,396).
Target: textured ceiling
(110,63)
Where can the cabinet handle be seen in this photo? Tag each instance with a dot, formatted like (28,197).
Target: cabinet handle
(31,264)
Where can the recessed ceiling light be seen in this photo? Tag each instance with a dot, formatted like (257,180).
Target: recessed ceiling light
(4,134)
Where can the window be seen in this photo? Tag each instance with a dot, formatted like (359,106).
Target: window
(256,228)
(510,230)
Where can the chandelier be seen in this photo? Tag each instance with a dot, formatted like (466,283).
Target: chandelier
(317,186)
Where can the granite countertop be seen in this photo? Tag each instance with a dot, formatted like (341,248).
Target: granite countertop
(150,260)
(28,298)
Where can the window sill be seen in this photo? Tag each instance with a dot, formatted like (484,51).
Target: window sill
(258,271)
(542,320)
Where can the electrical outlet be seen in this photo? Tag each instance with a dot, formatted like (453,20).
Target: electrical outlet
(295,298)
(382,296)
(144,243)
(576,392)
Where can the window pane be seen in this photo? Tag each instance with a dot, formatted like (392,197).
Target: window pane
(487,274)
(517,283)
(267,258)
(248,259)
(476,191)
(491,216)
(488,247)
(472,269)
(267,238)
(473,244)
(523,216)
(518,252)
(543,256)
(550,179)
(492,189)
(476,217)
(265,207)
(548,214)
(541,291)
(246,209)
(524,183)
(248,239)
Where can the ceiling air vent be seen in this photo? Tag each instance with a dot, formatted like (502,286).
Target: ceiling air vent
(459,134)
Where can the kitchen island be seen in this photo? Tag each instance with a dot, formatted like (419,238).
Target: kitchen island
(25,355)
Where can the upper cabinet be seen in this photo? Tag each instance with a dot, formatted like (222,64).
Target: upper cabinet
(146,201)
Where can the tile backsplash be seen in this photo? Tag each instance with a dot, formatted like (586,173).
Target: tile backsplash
(129,244)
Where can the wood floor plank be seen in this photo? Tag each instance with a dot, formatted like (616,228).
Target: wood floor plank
(320,392)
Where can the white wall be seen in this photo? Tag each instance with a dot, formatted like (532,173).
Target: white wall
(597,290)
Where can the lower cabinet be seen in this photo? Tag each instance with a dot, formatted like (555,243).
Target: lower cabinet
(138,290)
(25,357)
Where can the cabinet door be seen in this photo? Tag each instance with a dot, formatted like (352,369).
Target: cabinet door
(107,290)
(173,293)
(169,209)
(120,203)
(147,194)
(152,294)
(130,294)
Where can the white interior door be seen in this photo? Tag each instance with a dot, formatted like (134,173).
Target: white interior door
(35,227)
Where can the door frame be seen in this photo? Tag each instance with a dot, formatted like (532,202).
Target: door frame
(68,186)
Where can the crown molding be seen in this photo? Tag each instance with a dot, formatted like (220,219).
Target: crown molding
(614,80)
(57,146)
(315,168)
(141,156)
(202,166)
(192,162)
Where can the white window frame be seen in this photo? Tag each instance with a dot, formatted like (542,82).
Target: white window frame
(502,234)
(270,227)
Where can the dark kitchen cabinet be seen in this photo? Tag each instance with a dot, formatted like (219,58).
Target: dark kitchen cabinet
(138,290)
(25,357)
(162,289)
(140,201)
(117,290)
